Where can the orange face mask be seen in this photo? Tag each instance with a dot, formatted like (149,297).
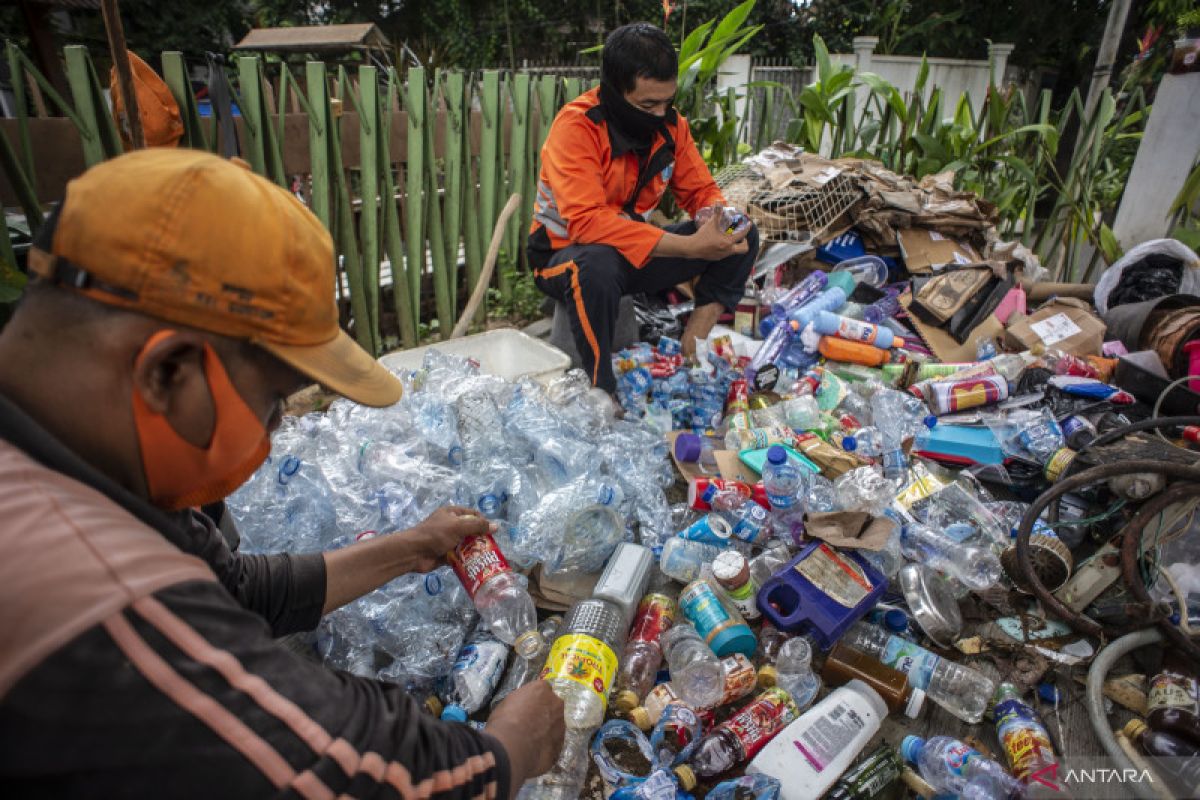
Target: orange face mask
(179,474)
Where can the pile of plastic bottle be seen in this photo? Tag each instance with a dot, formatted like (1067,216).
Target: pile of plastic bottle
(725,647)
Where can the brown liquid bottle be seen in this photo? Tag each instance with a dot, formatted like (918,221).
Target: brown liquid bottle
(1174,701)
(1177,759)
(844,664)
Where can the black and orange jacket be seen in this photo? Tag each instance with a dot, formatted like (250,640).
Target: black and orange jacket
(593,188)
(137,659)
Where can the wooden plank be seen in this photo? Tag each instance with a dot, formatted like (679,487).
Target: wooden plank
(414,174)
(489,158)
(79,80)
(452,94)
(401,298)
(175,74)
(368,219)
(319,126)
(251,108)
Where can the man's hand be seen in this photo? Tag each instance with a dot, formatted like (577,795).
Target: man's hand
(441,532)
(529,723)
(710,242)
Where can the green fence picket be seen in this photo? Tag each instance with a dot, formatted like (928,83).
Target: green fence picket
(251,109)
(433,211)
(319,124)
(175,74)
(368,153)
(456,119)
(490,175)
(414,179)
(16,77)
(393,242)
(519,168)
(100,139)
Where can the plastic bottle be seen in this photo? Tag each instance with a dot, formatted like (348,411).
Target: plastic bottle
(696,673)
(747,519)
(833,298)
(661,696)
(717,622)
(962,691)
(793,672)
(712,529)
(836,349)
(757,438)
(800,294)
(775,343)
(624,579)
(476,674)
(683,559)
(977,568)
(866,441)
(812,752)
(1178,758)
(883,308)
(732,571)
(499,594)
(675,736)
(871,270)
(583,661)
(747,787)
(566,778)
(525,670)
(740,737)
(764,565)
(739,678)
(1025,740)
(845,664)
(643,654)
(783,481)
(612,750)
(948,765)
(869,778)
(830,324)
(770,642)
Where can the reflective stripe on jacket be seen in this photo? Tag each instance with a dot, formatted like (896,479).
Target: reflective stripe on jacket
(589,173)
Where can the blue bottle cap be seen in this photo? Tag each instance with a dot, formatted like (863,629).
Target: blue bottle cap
(1048,692)
(776,454)
(688,447)
(737,639)
(930,421)
(910,748)
(849,444)
(454,713)
(895,620)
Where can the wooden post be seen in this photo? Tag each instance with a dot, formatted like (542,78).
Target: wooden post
(120,56)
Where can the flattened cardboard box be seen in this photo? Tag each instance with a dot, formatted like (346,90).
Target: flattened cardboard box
(925,251)
(944,346)
(1064,324)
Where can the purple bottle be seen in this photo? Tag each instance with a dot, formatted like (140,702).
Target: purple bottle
(801,293)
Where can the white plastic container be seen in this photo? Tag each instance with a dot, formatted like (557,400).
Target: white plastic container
(504,352)
(809,755)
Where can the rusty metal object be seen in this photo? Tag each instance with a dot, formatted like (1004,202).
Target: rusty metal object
(1052,561)
(1094,475)
(1131,540)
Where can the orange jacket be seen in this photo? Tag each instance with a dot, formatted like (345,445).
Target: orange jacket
(589,174)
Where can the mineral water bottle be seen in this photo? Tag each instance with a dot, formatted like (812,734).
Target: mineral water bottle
(764,565)
(696,673)
(784,482)
(475,676)
(504,605)
(676,735)
(793,672)
(739,738)
(566,778)
(977,568)
(770,642)
(949,765)
(683,559)
(583,661)
(525,670)
(962,691)
(643,653)
(747,519)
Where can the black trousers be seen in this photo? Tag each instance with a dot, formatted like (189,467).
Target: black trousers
(591,279)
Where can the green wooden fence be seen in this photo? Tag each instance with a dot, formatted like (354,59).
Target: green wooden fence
(408,173)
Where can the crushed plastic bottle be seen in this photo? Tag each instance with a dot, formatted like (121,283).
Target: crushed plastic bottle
(643,654)
(739,738)
(525,670)
(675,736)
(475,676)
(566,778)
(863,489)
(793,672)
(683,559)
(950,765)
(977,568)
(696,673)
(962,691)
(747,787)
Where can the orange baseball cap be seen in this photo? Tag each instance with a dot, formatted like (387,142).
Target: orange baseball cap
(184,236)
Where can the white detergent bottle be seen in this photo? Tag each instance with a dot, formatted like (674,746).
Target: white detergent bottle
(809,755)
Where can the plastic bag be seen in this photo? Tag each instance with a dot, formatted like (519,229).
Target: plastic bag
(1147,286)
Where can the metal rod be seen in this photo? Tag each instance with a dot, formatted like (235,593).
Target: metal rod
(120,56)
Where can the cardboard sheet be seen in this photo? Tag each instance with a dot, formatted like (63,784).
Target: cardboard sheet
(925,250)
(1064,324)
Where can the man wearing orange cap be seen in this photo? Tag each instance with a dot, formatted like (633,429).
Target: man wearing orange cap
(178,300)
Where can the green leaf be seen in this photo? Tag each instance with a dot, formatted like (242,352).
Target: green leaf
(922,76)
(12,281)
(814,103)
(733,21)
(821,53)
(691,45)
(930,146)
(1109,246)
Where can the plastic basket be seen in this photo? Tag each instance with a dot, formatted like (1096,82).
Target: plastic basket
(504,352)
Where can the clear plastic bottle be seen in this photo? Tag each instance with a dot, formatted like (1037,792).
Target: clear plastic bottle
(977,568)
(739,738)
(747,519)
(683,559)
(764,565)
(770,642)
(696,673)
(962,691)
(675,736)
(747,787)
(784,483)
(525,670)
(881,309)
(583,661)
(643,655)
(949,765)
(475,676)
(870,270)
(793,672)
(566,778)
(500,596)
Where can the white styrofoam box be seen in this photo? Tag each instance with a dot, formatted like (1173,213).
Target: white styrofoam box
(505,352)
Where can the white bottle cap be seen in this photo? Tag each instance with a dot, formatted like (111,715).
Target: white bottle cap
(916,701)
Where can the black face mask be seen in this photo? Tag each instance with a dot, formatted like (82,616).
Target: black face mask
(636,124)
